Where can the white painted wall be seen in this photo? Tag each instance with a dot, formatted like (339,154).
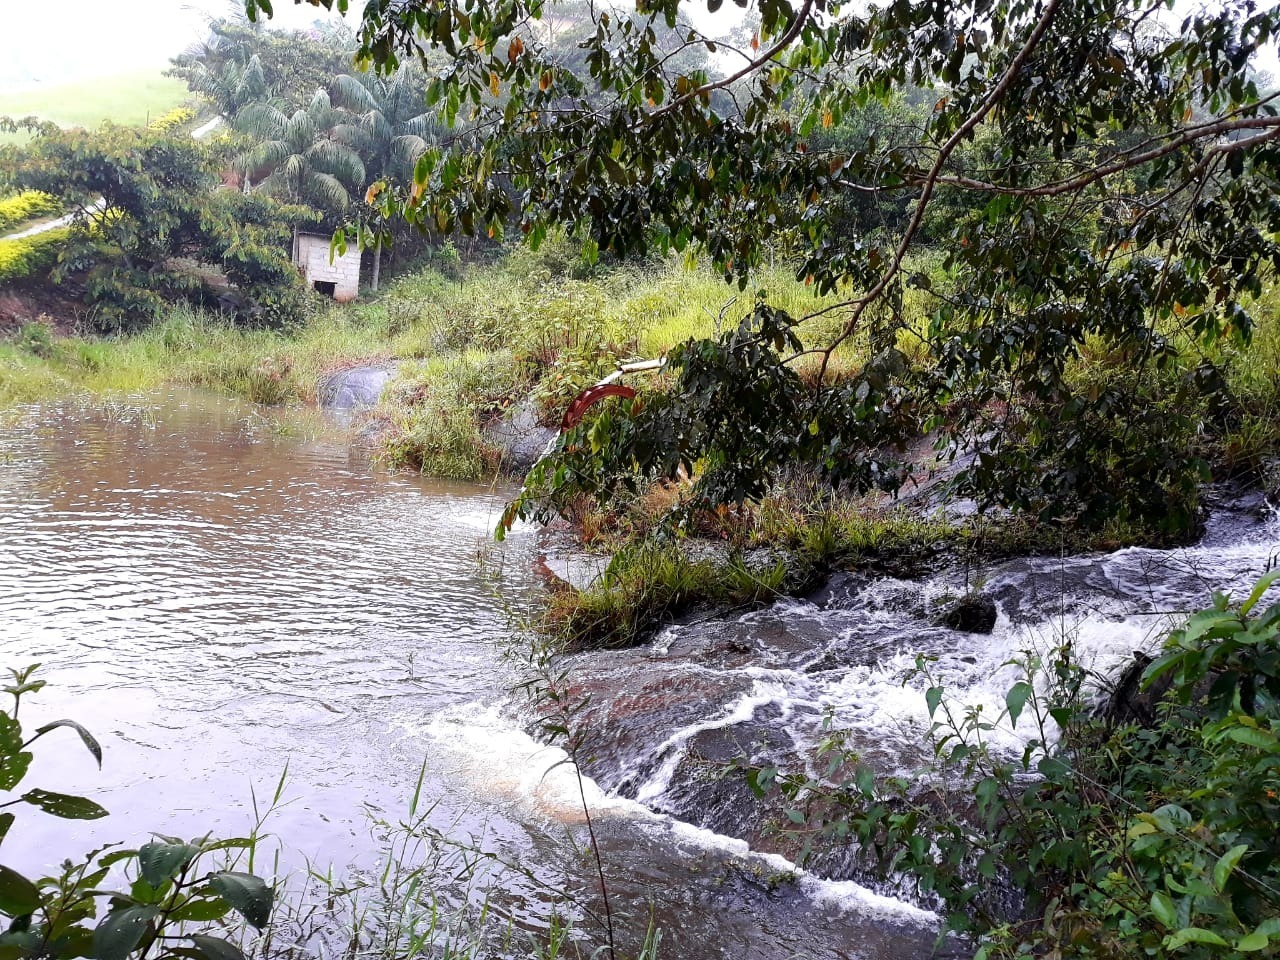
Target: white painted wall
(312,257)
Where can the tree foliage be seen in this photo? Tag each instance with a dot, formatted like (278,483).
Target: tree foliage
(1117,168)
(389,124)
(147,211)
(299,157)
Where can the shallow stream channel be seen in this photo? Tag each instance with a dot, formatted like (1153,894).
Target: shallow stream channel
(223,594)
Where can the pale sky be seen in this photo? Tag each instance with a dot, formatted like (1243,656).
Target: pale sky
(58,41)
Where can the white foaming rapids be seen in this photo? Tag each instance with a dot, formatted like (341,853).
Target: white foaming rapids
(855,658)
(673,748)
(493,756)
(843,895)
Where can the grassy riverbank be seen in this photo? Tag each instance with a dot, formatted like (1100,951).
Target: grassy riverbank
(527,324)
(539,325)
(471,340)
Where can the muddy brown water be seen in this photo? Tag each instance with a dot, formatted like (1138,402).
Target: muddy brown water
(220,593)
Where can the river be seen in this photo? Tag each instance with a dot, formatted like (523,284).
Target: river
(219,593)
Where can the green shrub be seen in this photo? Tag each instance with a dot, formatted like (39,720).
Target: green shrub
(17,210)
(437,409)
(37,338)
(30,256)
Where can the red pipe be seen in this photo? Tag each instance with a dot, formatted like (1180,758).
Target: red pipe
(592,395)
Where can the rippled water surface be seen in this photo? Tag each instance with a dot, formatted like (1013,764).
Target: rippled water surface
(219,595)
(215,599)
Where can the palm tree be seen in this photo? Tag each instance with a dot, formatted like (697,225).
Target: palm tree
(223,67)
(231,87)
(297,157)
(388,124)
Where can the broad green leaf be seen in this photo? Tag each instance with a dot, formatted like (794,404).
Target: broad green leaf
(986,791)
(32,687)
(116,856)
(1205,622)
(13,767)
(1171,816)
(231,843)
(1052,768)
(1270,927)
(1164,910)
(933,697)
(1253,738)
(6,821)
(865,781)
(201,910)
(1259,588)
(1016,699)
(1195,935)
(142,892)
(121,931)
(75,942)
(64,805)
(1252,942)
(18,895)
(88,739)
(164,861)
(1160,666)
(16,944)
(10,734)
(1227,863)
(215,948)
(247,894)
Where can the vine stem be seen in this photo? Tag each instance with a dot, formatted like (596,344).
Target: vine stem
(595,853)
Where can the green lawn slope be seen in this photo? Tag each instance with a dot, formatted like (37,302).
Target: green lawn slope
(127,98)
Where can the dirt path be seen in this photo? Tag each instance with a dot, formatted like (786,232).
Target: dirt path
(197,134)
(51,224)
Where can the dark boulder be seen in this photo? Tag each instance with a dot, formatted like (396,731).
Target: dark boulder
(520,437)
(972,613)
(354,387)
(1127,702)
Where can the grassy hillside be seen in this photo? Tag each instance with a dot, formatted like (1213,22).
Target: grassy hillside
(126,98)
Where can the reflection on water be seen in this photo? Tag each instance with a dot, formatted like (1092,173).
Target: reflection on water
(216,599)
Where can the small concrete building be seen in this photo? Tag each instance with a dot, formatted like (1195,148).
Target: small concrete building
(339,278)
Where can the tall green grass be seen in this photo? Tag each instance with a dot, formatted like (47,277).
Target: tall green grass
(437,408)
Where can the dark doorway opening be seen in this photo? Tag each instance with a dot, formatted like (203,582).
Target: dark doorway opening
(327,287)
